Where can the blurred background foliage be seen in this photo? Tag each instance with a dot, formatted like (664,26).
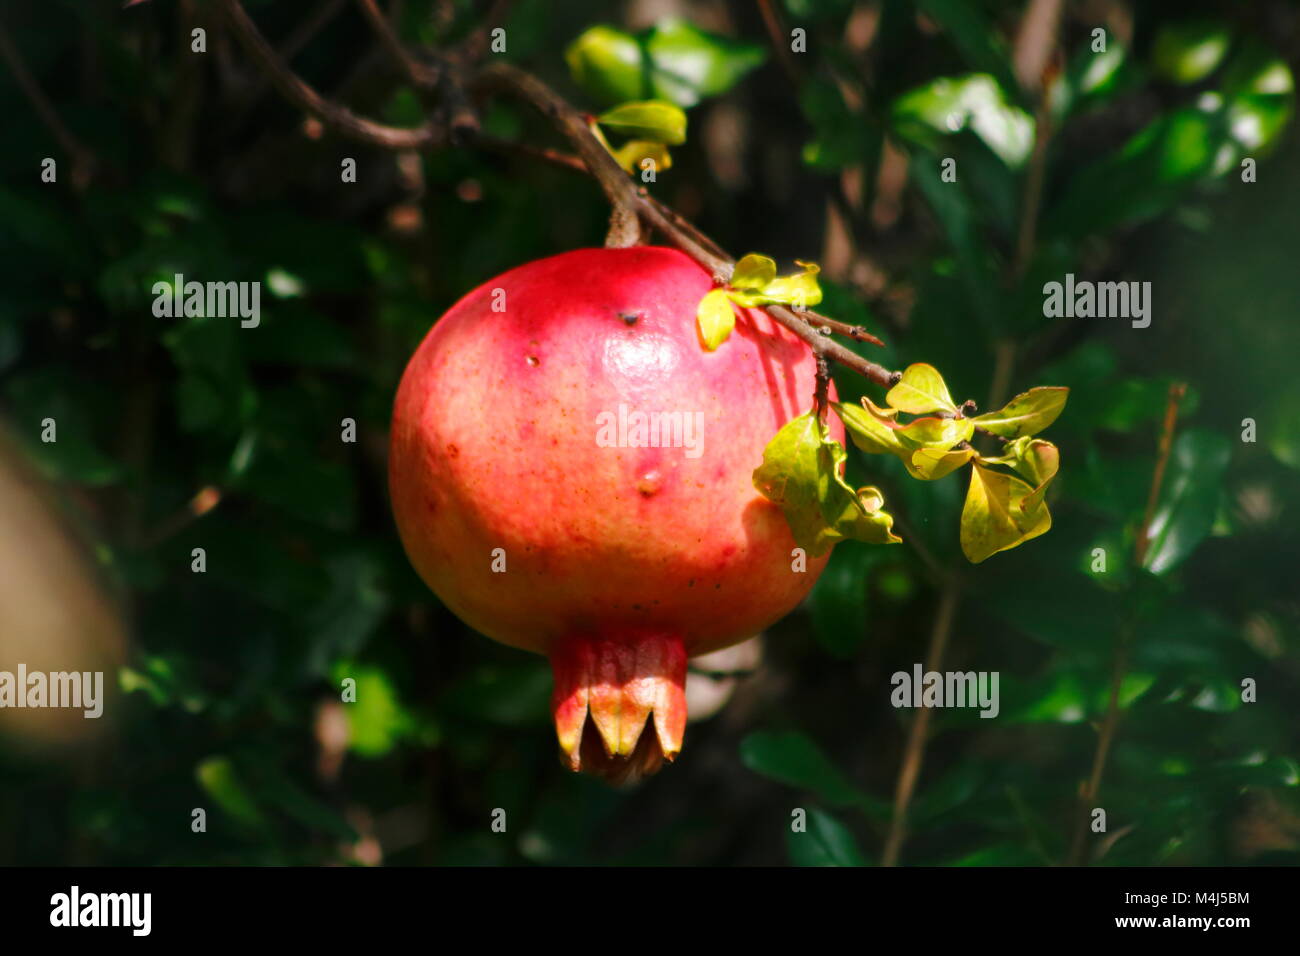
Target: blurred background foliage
(176,434)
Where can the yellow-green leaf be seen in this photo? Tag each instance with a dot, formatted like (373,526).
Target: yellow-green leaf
(876,526)
(1034,459)
(930,464)
(654,120)
(937,433)
(715,318)
(801,474)
(921,390)
(635,152)
(800,290)
(1026,414)
(753,272)
(995,518)
(870,428)
(754,282)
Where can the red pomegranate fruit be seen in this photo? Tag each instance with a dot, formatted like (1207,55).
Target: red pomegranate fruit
(570,472)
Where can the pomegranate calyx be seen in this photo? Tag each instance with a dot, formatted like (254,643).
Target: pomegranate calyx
(607,687)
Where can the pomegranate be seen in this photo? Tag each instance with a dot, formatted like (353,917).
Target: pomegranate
(570,472)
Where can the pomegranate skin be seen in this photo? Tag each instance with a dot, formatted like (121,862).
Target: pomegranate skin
(495,445)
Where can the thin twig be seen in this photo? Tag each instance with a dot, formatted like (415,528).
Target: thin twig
(417,72)
(1176,392)
(780,41)
(613,180)
(476,46)
(297,91)
(1027,234)
(298,39)
(1119,665)
(83,160)
(914,749)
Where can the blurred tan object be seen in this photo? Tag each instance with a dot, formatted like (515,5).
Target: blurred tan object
(55,615)
(711,679)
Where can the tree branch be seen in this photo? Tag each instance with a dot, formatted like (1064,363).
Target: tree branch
(630,202)
(297,91)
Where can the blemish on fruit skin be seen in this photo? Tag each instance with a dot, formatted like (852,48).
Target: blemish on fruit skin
(630,318)
(453,451)
(650,483)
(533,360)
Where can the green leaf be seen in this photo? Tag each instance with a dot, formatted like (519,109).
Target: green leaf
(505,696)
(280,790)
(56,398)
(825,842)
(672,61)
(1188,499)
(1255,120)
(376,719)
(795,759)
(218,778)
(995,517)
(999,854)
(651,120)
(1092,77)
(844,137)
(973,34)
(801,474)
(1190,51)
(1132,402)
(1256,69)
(921,390)
(690,64)
(1283,436)
(1150,173)
(951,104)
(715,318)
(1026,414)
(840,600)
(607,63)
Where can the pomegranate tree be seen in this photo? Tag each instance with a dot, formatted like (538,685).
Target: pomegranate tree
(571,471)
